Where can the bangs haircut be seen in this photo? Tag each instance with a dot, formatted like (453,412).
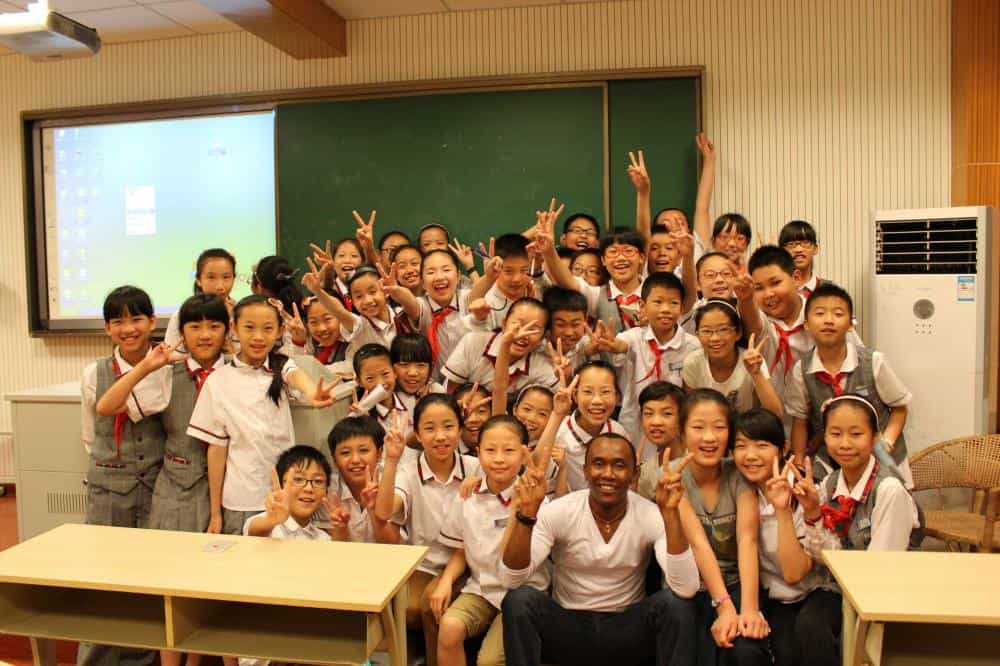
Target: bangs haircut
(355,426)
(662,390)
(370,350)
(735,222)
(504,421)
(797,230)
(511,246)
(771,255)
(761,425)
(411,348)
(662,280)
(830,290)
(556,299)
(299,457)
(203,307)
(127,299)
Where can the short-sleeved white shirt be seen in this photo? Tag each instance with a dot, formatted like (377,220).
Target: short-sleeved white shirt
(368,331)
(473,360)
(234,410)
(451,328)
(589,574)
(738,387)
(426,502)
(574,440)
(499,304)
(477,525)
(609,291)
(290,529)
(150,396)
(637,367)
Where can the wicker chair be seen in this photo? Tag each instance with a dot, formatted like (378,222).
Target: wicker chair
(967,462)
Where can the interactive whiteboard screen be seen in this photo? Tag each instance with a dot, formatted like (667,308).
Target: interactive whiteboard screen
(136,202)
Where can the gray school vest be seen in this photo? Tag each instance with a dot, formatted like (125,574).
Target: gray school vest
(184,457)
(859,535)
(607,309)
(720,524)
(140,456)
(860,381)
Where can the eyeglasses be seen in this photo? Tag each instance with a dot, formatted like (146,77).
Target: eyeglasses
(709,332)
(798,245)
(300,482)
(587,272)
(621,250)
(586,232)
(711,275)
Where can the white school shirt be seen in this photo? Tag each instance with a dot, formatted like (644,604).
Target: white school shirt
(589,574)
(426,502)
(150,396)
(738,387)
(810,286)
(574,440)
(637,367)
(234,411)
(290,529)
(477,526)
(367,331)
(499,304)
(894,516)
(473,359)
(359,525)
(770,566)
(610,292)
(451,329)
(408,402)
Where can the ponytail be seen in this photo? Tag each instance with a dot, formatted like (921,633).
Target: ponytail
(277,362)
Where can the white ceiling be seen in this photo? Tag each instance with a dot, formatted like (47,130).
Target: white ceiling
(119,21)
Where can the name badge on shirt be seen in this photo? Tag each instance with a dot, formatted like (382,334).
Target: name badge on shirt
(864,523)
(500,522)
(677,367)
(862,390)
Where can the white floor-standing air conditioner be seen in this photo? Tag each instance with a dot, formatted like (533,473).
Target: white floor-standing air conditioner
(934,316)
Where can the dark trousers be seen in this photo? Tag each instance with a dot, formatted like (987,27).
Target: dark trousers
(806,632)
(651,631)
(745,651)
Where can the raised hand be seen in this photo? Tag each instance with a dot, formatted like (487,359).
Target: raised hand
(480,309)
(323,395)
(340,515)
(370,491)
(487,252)
(778,490)
(558,455)
(517,331)
(366,230)
(322,255)
(390,281)
(684,242)
(163,354)
(315,278)
(670,488)
(463,253)
(705,146)
(394,443)
(637,172)
(742,282)
(296,328)
(473,400)
(752,358)
(559,360)
(562,399)
(805,490)
(531,486)
(278,502)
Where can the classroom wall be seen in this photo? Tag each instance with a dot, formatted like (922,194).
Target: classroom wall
(819,110)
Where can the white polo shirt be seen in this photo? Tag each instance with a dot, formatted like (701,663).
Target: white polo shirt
(426,502)
(589,574)
(408,402)
(771,577)
(150,396)
(367,331)
(574,440)
(477,525)
(738,387)
(451,327)
(233,410)
(473,360)
(638,367)
(290,529)
(499,304)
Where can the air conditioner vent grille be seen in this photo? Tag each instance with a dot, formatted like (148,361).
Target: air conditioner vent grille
(923,247)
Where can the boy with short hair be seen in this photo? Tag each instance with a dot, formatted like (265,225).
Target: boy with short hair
(568,326)
(836,366)
(298,489)
(660,408)
(580,231)
(433,236)
(513,279)
(653,352)
(798,238)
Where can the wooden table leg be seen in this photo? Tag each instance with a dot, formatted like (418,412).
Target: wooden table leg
(394,626)
(44,651)
(848,630)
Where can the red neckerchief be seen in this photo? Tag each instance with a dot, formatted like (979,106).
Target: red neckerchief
(432,330)
(838,518)
(654,347)
(784,347)
(121,418)
(323,354)
(620,300)
(833,381)
(199,376)
(346,298)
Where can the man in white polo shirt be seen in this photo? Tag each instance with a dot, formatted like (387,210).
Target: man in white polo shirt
(600,540)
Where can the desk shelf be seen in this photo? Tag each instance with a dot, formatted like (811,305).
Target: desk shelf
(98,616)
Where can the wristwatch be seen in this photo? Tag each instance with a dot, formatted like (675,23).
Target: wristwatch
(721,600)
(525,520)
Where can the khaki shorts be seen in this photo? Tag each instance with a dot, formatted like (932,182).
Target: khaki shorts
(479,617)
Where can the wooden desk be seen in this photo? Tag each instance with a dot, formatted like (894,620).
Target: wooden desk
(293,601)
(916,608)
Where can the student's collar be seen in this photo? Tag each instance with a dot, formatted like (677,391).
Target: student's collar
(858,491)
(453,304)
(811,284)
(121,364)
(291,525)
(850,363)
(265,367)
(504,495)
(674,342)
(380,325)
(397,406)
(614,292)
(194,366)
(521,365)
(800,320)
(341,287)
(426,474)
(581,435)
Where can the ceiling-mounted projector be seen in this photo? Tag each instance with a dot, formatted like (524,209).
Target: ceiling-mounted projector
(46,35)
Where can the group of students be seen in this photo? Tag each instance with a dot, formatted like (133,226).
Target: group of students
(545,426)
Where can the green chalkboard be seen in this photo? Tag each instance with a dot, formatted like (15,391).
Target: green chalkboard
(661,117)
(480,163)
